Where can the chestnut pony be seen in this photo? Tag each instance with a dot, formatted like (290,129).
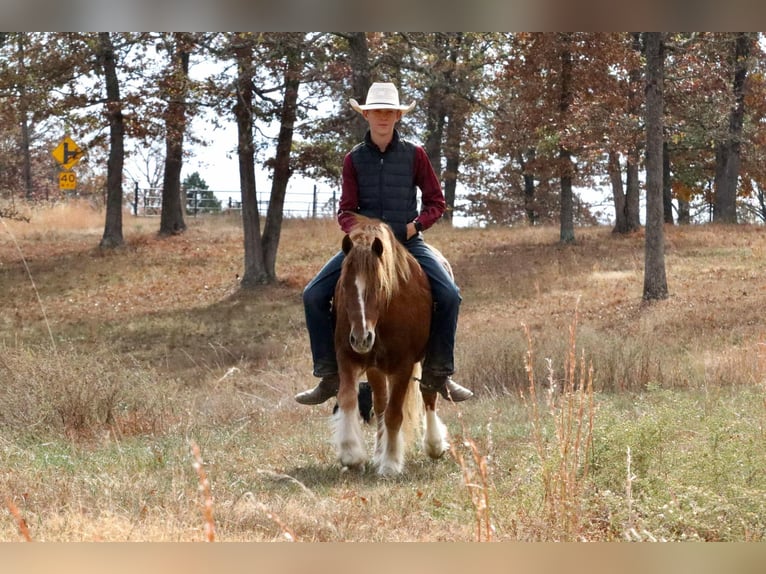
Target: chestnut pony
(383,316)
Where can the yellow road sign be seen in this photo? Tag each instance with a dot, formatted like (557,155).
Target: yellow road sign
(67,180)
(67,153)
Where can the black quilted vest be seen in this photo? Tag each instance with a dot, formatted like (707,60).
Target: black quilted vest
(386,184)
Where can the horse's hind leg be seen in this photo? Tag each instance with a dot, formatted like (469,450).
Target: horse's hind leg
(349,439)
(435,437)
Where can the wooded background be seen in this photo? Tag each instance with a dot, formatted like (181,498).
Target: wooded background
(519,120)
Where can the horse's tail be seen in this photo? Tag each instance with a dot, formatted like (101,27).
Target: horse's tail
(412,409)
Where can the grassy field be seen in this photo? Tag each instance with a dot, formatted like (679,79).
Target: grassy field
(146,398)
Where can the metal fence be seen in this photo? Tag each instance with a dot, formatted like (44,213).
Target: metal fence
(147,202)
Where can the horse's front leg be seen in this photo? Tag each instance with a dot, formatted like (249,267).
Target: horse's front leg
(349,440)
(390,446)
(379,386)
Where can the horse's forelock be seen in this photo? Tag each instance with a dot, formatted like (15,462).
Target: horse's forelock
(394,265)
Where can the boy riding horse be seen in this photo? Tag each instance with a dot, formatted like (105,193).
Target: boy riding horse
(380,180)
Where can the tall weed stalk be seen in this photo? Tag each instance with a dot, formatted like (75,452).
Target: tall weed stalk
(207,496)
(20,521)
(476,480)
(562,435)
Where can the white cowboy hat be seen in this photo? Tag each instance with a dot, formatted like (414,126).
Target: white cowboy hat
(381,96)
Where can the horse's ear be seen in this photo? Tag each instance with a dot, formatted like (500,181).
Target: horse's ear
(347,244)
(377,246)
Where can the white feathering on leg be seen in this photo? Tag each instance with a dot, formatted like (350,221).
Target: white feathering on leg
(349,440)
(391,461)
(435,439)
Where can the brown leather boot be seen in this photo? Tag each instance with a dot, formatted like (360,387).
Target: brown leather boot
(326,389)
(446,387)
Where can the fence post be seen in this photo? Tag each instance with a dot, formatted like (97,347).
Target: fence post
(135,199)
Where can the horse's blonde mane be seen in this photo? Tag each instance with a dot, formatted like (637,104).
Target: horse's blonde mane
(395,268)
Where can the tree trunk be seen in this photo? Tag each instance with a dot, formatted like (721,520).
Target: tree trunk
(684,215)
(728,153)
(172,215)
(282,169)
(626,199)
(113,225)
(255,272)
(360,79)
(618,193)
(26,154)
(435,116)
(26,168)
(655,282)
(632,184)
(455,112)
(565,156)
(529,187)
(567,234)
(452,155)
(632,191)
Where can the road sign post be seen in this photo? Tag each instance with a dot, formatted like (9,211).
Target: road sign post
(67,153)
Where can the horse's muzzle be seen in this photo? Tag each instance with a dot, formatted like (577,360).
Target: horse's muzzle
(362,343)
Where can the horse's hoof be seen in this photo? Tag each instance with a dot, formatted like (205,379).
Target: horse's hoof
(352,467)
(390,468)
(436,451)
(353,459)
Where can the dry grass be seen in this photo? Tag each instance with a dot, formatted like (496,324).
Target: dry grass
(115,362)
(564,451)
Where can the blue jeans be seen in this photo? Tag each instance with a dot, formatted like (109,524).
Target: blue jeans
(317,304)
